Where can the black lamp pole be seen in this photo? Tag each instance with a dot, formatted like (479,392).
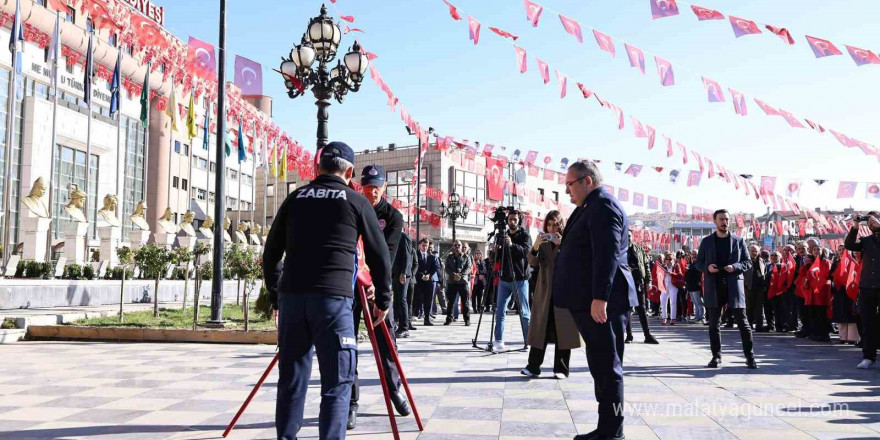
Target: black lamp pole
(454,212)
(219,179)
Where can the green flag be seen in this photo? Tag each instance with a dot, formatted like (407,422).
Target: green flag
(145,97)
(226,142)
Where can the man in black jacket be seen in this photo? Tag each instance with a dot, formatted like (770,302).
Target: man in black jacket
(458,275)
(693,284)
(869,285)
(401,274)
(755,283)
(592,279)
(428,268)
(639,266)
(316,230)
(515,273)
(391,223)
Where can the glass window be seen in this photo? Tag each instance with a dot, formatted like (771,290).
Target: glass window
(15,183)
(175,182)
(133,192)
(290,188)
(177,147)
(70,13)
(200,194)
(183,184)
(186,150)
(466,186)
(213,167)
(203,163)
(67,66)
(113,39)
(70,169)
(270,190)
(211,197)
(401,186)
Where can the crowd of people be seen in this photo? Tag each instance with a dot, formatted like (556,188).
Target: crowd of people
(575,285)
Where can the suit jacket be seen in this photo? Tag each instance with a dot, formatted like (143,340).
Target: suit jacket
(739,259)
(592,259)
(403,260)
(429,266)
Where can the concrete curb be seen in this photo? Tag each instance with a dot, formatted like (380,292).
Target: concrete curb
(66,332)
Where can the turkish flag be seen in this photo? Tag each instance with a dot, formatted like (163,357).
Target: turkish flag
(572,27)
(669,151)
(452,10)
(663,8)
(521,59)
(202,61)
(862,56)
(770,111)
(793,189)
(638,129)
(651,135)
(636,57)
(533,171)
(474,29)
(248,76)
(549,175)
(710,167)
(503,33)
(822,48)
(846,190)
(791,119)
(587,92)
(148,32)
(684,152)
(533,12)
(782,33)
(638,199)
(713,89)
(739,102)
(563,82)
(742,26)
(633,170)
(495,178)
(681,209)
(605,42)
(768,185)
(844,140)
(545,71)
(623,194)
(699,160)
(815,126)
(664,69)
(652,202)
(98,10)
(667,206)
(706,14)
(694,178)
(872,190)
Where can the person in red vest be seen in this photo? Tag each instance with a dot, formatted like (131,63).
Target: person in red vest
(818,295)
(843,307)
(777,283)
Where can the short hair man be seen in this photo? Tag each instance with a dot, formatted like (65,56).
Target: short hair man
(723,259)
(593,280)
(869,284)
(313,289)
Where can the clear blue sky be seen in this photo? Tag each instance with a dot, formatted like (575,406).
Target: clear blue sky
(476,92)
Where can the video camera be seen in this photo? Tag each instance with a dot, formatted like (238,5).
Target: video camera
(499,218)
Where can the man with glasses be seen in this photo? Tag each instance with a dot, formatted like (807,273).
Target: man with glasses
(592,279)
(458,272)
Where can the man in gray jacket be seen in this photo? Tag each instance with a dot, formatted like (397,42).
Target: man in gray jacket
(724,259)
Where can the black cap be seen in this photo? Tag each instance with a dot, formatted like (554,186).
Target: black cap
(373,175)
(338,149)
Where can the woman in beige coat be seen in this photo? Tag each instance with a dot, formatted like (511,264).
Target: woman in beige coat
(549,323)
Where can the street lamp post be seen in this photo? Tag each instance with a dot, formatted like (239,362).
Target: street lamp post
(320,43)
(455,211)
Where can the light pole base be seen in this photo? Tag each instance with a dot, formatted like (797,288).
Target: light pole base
(214,324)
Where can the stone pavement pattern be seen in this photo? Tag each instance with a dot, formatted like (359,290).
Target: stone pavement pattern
(79,390)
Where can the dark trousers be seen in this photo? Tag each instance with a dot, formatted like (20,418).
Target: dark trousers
(643,315)
(401,307)
(777,303)
(561,356)
(454,290)
(410,296)
(605,359)
(477,297)
(869,301)
(425,295)
(325,323)
(739,316)
(391,373)
(758,308)
(821,326)
(792,309)
(806,318)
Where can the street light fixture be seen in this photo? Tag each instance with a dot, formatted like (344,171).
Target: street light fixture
(454,211)
(320,43)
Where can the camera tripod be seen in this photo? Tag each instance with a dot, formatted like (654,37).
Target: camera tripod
(504,251)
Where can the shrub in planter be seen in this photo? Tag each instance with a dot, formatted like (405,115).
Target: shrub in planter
(206,271)
(21,269)
(73,271)
(263,306)
(88,272)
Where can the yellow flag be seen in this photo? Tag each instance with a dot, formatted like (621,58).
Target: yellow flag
(273,168)
(192,128)
(283,165)
(172,109)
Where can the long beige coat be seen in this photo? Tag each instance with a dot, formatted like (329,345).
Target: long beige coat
(567,333)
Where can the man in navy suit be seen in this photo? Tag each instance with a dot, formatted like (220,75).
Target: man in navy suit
(593,280)
(429,266)
(723,258)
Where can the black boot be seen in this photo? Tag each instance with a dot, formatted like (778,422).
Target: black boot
(352,418)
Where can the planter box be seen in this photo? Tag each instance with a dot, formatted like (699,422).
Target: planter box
(151,335)
(20,294)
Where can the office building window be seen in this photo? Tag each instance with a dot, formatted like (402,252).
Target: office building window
(133,191)
(211,197)
(183,184)
(270,190)
(70,168)
(470,186)
(400,187)
(177,147)
(186,150)
(16,153)
(213,167)
(200,194)
(291,187)
(231,174)
(69,14)
(114,38)
(175,182)
(202,163)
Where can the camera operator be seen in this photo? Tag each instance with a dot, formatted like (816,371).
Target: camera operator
(869,283)
(513,254)
(458,272)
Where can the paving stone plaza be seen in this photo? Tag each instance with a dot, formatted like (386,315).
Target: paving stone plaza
(98,390)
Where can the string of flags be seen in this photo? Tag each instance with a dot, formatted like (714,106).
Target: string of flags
(741,27)
(666,73)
